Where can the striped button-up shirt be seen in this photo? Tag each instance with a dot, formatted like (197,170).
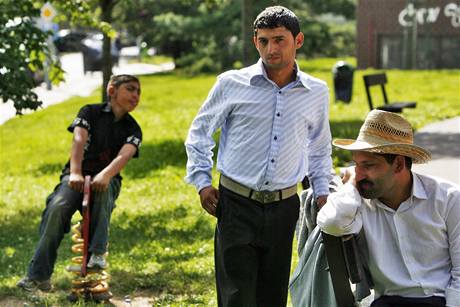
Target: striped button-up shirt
(271,137)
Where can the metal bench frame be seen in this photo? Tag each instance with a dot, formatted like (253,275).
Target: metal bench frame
(381,79)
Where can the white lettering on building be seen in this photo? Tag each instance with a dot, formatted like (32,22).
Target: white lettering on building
(452,10)
(423,16)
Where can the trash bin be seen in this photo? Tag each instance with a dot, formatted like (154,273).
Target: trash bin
(343,81)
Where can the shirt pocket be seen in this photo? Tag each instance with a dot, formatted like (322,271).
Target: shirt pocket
(301,129)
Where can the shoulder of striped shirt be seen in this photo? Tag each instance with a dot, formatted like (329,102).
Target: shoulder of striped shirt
(243,74)
(313,81)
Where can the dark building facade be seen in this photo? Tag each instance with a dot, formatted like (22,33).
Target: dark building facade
(408,34)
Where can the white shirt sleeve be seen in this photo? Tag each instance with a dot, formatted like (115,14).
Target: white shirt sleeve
(341,214)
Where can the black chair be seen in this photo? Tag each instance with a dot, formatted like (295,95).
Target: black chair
(346,263)
(345,266)
(381,79)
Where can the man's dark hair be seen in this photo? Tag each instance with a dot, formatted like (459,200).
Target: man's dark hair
(118,80)
(277,16)
(391,157)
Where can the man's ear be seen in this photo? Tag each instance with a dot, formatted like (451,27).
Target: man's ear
(299,40)
(110,90)
(400,163)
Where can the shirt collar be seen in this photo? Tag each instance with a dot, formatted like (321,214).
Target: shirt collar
(258,70)
(418,189)
(107,107)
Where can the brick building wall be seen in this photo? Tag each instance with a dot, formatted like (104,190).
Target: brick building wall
(420,34)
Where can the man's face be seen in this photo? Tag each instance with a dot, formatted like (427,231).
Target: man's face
(374,175)
(126,96)
(277,47)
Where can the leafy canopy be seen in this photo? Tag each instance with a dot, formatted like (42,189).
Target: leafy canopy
(23,51)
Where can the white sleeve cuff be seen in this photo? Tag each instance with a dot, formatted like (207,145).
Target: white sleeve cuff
(340,215)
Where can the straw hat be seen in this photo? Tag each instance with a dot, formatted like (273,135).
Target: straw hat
(386,133)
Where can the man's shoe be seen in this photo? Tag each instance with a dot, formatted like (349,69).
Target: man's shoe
(97,261)
(31,285)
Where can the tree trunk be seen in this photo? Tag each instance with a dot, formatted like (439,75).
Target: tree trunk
(106,16)
(247,31)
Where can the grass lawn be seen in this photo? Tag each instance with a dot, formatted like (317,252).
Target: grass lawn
(161,243)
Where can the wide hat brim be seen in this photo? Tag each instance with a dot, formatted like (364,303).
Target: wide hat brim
(418,154)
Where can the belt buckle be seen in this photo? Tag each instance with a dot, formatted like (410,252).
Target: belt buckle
(264,196)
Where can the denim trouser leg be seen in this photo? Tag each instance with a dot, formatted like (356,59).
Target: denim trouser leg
(56,218)
(102,206)
(60,206)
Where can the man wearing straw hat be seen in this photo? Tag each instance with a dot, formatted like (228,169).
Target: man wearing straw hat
(411,222)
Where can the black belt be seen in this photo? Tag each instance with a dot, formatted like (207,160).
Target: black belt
(263,197)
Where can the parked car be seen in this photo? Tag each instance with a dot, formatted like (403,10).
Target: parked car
(91,48)
(69,40)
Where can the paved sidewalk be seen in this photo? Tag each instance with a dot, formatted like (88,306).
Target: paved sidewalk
(442,139)
(78,84)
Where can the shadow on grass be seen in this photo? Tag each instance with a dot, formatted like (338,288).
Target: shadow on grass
(158,226)
(168,240)
(347,129)
(152,157)
(17,243)
(49,168)
(156,156)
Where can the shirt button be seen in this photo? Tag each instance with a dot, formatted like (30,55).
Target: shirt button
(278,114)
(273,160)
(280,92)
(266,182)
(275,138)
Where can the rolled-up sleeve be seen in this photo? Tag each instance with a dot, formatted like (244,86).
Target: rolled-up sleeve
(135,138)
(341,214)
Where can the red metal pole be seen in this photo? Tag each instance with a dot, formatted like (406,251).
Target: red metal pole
(86,222)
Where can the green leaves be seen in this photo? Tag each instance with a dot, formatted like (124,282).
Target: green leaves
(26,52)
(23,53)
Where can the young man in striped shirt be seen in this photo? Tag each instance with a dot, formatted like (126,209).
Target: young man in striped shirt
(274,131)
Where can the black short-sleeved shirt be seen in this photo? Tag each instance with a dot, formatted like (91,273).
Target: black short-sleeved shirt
(105,136)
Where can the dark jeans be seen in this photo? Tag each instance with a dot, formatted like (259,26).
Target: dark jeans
(253,247)
(56,219)
(397,301)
